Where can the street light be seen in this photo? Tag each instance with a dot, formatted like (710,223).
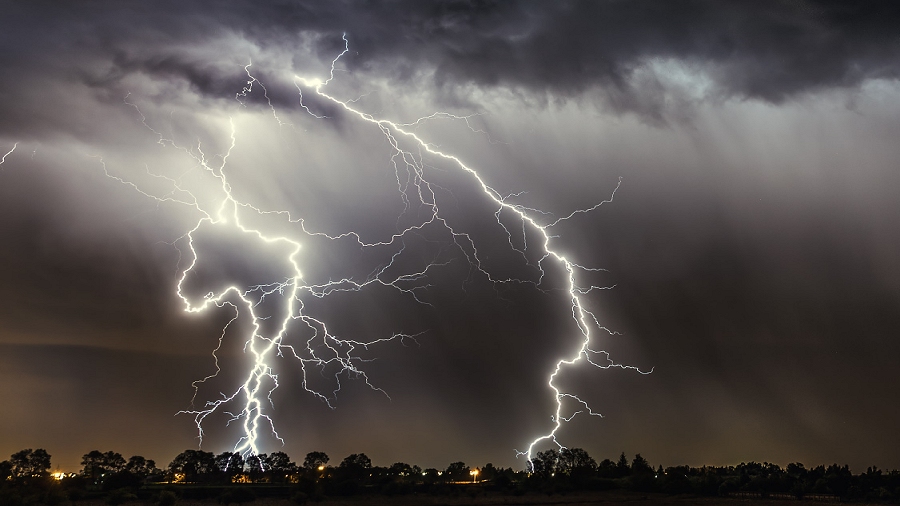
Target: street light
(474,473)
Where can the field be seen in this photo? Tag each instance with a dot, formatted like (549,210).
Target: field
(611,498)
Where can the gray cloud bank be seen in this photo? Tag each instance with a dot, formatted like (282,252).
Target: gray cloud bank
(770,50)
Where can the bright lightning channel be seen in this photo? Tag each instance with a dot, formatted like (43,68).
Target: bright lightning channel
(584,319)
(3,159)
(324,348)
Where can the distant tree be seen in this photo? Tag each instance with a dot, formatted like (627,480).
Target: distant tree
(141,467)
(838,479)
(5,470)
(279,462)
(642,477)
(355,466)
(230,463)
(488,472)
(796,470)
(500,476)
(30,463)
(92,464)
(116,474)
(674,480)
(360,460)
(622,468)
(607,469)
(431,476)
(115,462)
(457,471)
(314,460)
(400,470)
(254,465)
(543,465)
(639,465)
(278,467)
(96,464)
(193,464)
(575,462)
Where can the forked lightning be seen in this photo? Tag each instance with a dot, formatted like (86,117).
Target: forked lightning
(249,403)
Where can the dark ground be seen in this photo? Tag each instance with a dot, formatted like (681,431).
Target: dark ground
(613,498)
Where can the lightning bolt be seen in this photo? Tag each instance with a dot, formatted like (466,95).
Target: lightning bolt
(248,404)
(584,319)
(3,159)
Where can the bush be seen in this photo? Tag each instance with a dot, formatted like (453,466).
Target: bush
(54,497)
(10,498)
(120,496)
(237,495)
(167,498)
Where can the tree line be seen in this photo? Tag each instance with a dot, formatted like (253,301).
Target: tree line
(575,469)
(231,477)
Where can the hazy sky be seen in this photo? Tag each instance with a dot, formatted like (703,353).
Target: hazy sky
(752,246)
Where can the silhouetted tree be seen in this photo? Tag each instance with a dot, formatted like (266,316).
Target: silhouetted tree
(355,466)
(839,479)
(430,476)
(278,466)
(254,465)
(279,462)
(642,475)
(230,463)
(314,460)
(115,473)
(5,471)
(488,472)
(502,477)
(575,462)
(639,465)
(193,464)
(400,471)
(95,464)
(674,480)
(607,469)
(622,468)
(139,466)
(457,471)
(543,465)
(30,463)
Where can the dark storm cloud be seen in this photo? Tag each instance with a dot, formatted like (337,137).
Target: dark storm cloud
(766,50)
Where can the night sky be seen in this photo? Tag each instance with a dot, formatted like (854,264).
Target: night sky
(752,247)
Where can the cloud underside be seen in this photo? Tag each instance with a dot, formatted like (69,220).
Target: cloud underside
(649,58)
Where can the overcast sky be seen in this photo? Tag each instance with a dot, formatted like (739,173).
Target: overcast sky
(752,246)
